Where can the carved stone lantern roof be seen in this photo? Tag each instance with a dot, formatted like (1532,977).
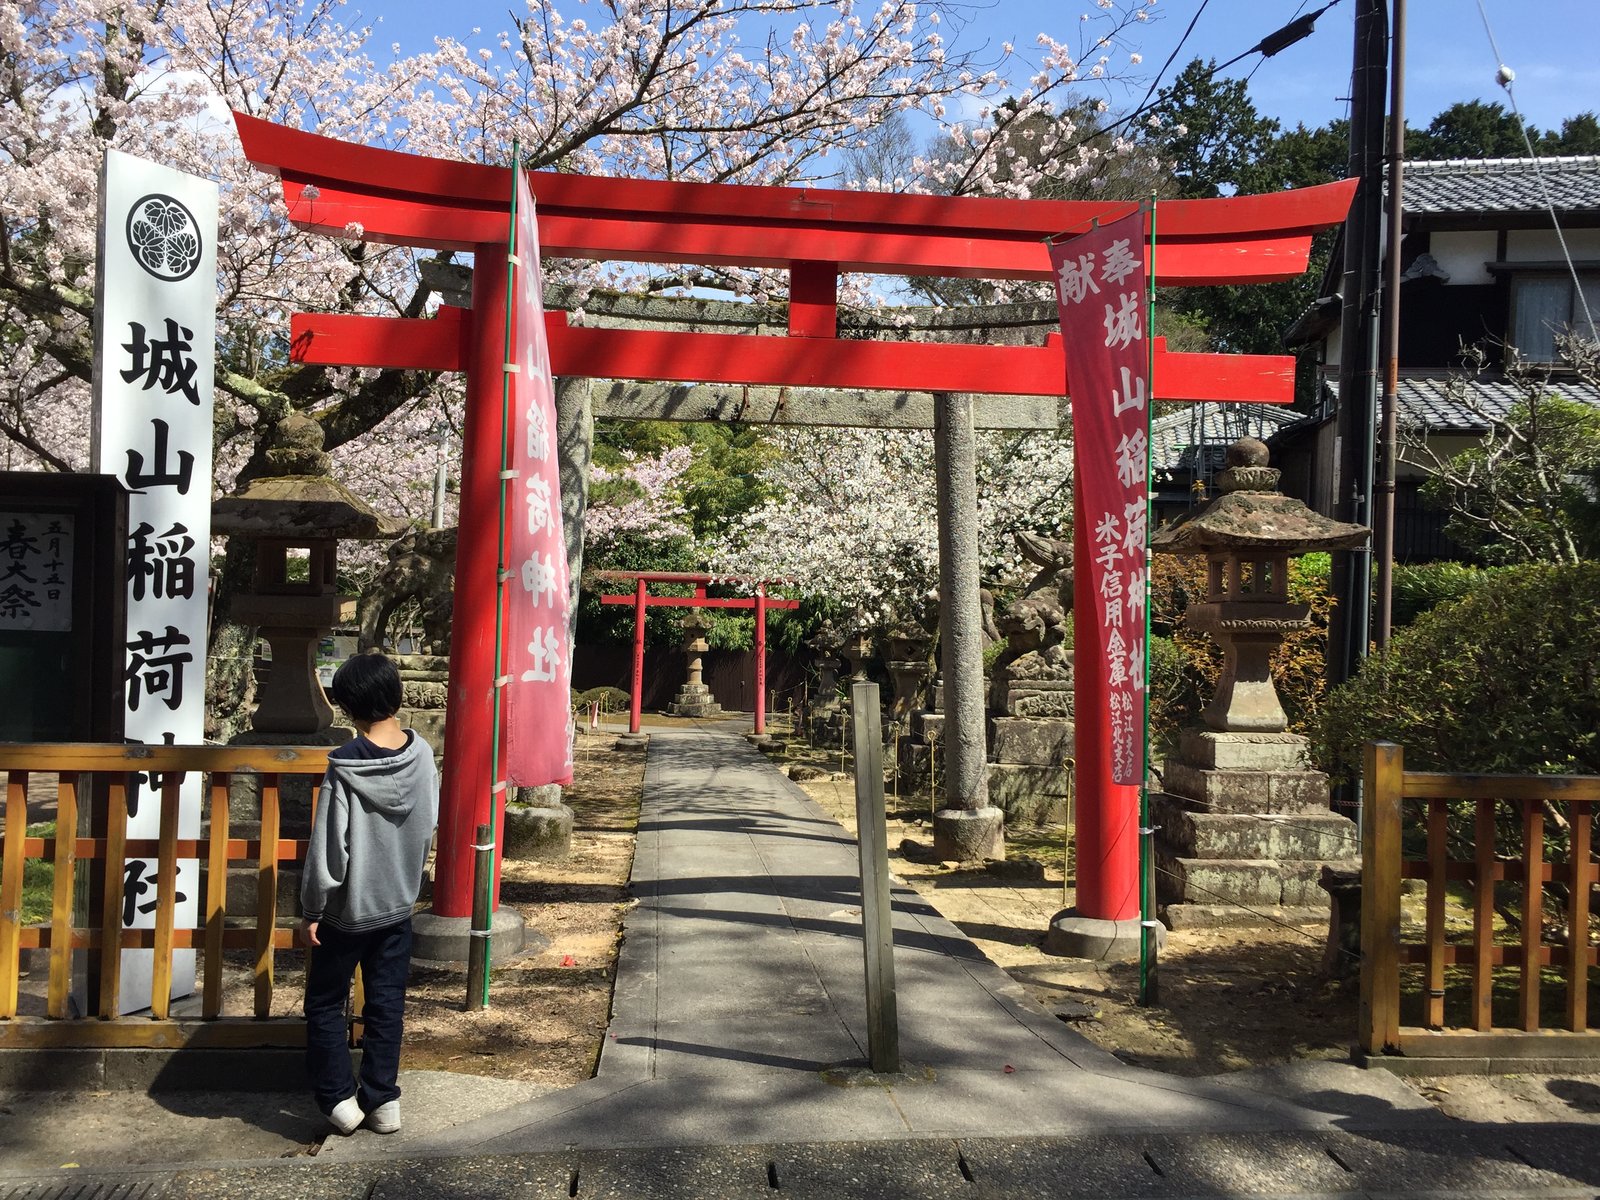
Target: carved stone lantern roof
(302,501)
(1251,515)
(298,508)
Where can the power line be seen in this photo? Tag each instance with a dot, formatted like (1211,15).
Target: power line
(1505,76)
(1280,39)
(1175,51)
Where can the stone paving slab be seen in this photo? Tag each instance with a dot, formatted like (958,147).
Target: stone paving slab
(1330,1166)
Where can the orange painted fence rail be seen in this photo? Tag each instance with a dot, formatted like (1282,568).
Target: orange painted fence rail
(86,770)
(1543,944)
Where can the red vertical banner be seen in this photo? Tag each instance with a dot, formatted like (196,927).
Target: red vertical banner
(537,670)
(1100,285)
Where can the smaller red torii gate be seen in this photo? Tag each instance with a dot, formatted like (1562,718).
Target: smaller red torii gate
(641,600)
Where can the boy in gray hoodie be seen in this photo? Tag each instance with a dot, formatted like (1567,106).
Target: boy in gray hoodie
(369,841)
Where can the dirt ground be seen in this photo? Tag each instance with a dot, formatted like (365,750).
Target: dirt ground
(548,1009)
(1229,999)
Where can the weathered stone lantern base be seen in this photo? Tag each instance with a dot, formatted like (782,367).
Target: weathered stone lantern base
(1243,831)
(694,700)
(969,834)
(538,826)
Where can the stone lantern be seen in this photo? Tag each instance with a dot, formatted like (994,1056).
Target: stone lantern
(299,507)
(1247,534)
(694,698)
(1219,854)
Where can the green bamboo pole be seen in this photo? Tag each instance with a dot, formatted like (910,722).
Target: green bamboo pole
(497,785)
(1149,988)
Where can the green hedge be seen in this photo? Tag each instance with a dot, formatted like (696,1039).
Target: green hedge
(1425,586)
(1507,678)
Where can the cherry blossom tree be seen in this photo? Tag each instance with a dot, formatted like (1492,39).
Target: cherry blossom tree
(639,499)
(756,91)
(751,91)
(852,521)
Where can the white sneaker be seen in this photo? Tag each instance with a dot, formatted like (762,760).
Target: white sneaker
(346,1116)
(385,1118)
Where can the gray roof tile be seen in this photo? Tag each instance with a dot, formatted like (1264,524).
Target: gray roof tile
(1485,185)
(1177,439)
(1429,402)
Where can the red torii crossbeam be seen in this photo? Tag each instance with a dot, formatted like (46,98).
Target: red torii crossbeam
(815,234)
(641,600)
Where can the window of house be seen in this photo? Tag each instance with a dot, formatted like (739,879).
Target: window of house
(1543,306)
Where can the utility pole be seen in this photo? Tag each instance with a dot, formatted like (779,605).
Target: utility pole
(1388,442)
(1354,434)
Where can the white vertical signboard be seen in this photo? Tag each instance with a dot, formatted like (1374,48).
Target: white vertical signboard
(155,341)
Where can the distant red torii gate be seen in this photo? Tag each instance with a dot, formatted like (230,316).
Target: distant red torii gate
(641,600)
(815,234)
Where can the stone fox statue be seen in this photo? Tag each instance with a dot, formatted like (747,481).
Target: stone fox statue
(1035,629)
(421,567)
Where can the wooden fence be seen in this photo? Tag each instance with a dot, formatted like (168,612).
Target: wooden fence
(86,770)
(1458,969)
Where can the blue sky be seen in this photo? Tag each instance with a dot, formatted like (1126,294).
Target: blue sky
(1553,45)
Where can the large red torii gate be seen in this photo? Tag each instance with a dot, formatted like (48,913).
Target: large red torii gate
(814,234)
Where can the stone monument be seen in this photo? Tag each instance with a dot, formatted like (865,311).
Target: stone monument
(1030,694)
(1243,825)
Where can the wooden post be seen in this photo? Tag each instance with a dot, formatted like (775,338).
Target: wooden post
(1532,910)
(266,894)
(1483,919)
(61,901)
(761,658)
(1438,866)
(1384,775)
(11,891)
(1581,840)
(877,916)
(216,895)
(111,898)
(636,700)
(166,897)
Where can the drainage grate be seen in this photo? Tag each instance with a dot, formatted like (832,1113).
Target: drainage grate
(84,1189)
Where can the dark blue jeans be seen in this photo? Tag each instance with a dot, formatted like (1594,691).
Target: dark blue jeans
(384,956)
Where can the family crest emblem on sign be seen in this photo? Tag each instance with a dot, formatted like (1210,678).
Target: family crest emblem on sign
(164,237)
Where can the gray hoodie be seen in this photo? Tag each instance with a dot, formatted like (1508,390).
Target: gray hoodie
(370,838)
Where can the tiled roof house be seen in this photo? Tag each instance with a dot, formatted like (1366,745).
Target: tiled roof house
(1481,264)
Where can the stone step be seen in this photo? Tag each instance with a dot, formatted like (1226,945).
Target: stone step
(1248,882)
(1247,791)
(1231,916)
(1185,833)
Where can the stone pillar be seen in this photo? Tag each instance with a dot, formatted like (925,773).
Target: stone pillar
(968,826)
(539,823)
(575,447)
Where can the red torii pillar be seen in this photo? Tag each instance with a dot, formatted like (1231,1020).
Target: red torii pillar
(815,234)
(641,600)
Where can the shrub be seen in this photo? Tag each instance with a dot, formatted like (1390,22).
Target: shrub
(610,699)
(1425,586)
(1503,679)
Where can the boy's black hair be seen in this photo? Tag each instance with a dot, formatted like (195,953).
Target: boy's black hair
(367,687)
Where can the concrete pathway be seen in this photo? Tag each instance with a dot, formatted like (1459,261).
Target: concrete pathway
(741,984)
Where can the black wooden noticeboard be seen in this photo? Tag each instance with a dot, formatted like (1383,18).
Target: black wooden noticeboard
(63,596)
